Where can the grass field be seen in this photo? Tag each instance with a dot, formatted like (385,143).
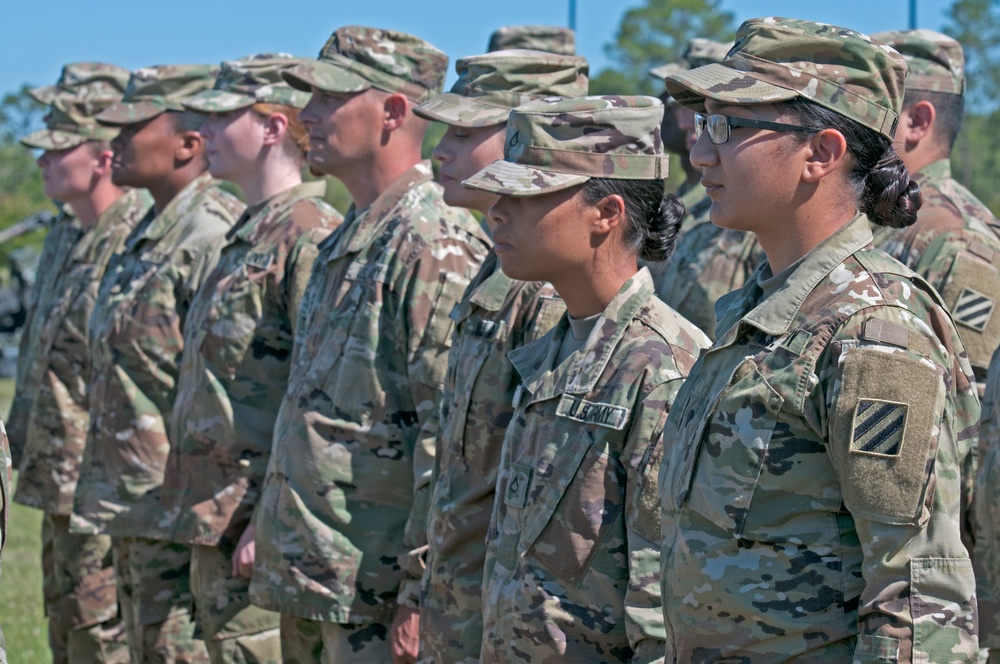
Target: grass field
(21,584)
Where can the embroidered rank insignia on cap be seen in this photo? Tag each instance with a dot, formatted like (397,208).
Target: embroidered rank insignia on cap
(973,309)
(878,428)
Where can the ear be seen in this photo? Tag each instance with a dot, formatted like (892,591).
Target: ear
(609,214)
(275,126)
(190,144)
(397,108)
(917,122)
(825,153)
(103,163)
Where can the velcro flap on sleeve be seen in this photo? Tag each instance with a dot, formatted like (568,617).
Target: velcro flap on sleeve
(883,433)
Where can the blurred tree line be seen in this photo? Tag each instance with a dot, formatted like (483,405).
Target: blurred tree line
(649,35)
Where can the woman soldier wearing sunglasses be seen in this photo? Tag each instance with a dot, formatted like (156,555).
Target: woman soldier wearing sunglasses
(811,483)
(572,555)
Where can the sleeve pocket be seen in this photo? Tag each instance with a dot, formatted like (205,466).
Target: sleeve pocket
(942,604)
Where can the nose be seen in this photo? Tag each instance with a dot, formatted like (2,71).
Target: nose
(496,213)
(441,152)
(704,153)
(207,126)
(307,116)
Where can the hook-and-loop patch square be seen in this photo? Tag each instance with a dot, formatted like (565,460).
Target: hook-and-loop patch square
(973,309)
(878,427)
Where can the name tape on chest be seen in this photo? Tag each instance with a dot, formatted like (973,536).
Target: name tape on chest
(590,412)
(258,259)
(155,257)
(358,271)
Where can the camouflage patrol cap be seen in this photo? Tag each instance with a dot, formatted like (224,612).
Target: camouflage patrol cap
(557,142)
(153,90)
(777,59)
(698,53)
(85,80)
(356,58)
(69,123)
(490,86)
(244,82)
(550,38)
(935,62)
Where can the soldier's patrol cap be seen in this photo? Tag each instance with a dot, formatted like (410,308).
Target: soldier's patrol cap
(247,81)
(935,62)
(550,38)
(490,86)
(85,80)
(357,58)
(69,123)
(155,90)
(698,53)
(778,59)
(556,143)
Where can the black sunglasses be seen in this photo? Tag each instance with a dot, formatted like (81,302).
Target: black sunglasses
(718,126)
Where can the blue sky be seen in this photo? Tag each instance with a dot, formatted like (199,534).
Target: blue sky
(39,35)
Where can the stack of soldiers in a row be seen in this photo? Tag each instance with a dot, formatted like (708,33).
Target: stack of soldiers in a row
(264,432)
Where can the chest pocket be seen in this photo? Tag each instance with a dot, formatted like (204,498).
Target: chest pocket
(577,508)
(476,340)
(236,310)
(732,448)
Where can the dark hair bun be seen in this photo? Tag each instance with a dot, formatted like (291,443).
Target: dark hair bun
(661,232)
(890,197)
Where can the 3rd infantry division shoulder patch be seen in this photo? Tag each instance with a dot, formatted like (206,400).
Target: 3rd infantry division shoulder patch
(973,309)
(878,428)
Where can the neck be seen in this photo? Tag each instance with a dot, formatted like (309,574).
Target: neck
(164,190)
(269,181)
(590,293)
(365,184)
(791,241)
(921,157)
(88,208)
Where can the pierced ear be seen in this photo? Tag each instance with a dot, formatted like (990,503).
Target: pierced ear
(396,108)
(827,150)
(610,213)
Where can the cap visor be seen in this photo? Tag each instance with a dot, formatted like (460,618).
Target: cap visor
(217,101)
(724,84)
(324,76)
(44,94)
(124,113)
(460,111)
(53,139)
(509,179)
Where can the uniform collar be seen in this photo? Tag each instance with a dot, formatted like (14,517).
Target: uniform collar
(582,370)
(492,292)
(360,227)
(113,216)
(774,316)
(936,171)
(166,219)
(253,225)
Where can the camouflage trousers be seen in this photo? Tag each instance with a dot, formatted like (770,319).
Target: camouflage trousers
(235,631)
(154,590)
(313,642)
(81,601)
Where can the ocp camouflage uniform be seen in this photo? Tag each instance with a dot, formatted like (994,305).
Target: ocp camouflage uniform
(84,81)
(136,341)
(78,578)
(987,513)
(496,315)
(549,38)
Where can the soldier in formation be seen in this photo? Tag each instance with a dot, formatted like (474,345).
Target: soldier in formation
(300,438)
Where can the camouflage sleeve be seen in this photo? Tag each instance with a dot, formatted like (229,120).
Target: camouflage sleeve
(644,452)
(987,512)
(298,269)
(434,284)
(894,445)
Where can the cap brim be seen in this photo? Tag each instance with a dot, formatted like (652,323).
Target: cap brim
(460,111)
(324,76)
(44,94)
(509,179)
(217,101)
(124,113)
(723,84)
(54,139)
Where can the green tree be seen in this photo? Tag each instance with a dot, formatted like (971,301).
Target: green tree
(976,25)
(655,34)
(21,193)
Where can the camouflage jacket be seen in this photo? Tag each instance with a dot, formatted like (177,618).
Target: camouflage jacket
(234,370)
(5,483)
(572,560)
(496,314)
(987,513)
(349,465)
(707,263)
(56,250)
(136,340)
(954,245)
(59,420)
(811,482)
